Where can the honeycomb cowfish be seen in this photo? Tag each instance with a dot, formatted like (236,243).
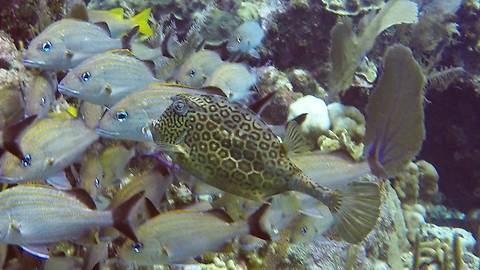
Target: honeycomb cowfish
(198,68)
(106,78)
(227,145)
(179,235)
(128,118)
(117,25)
(66,43)
(34,215)
(246,38)
(48,145)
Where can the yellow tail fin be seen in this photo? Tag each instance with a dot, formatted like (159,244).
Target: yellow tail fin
(142,20)
(118,12)
(356,209)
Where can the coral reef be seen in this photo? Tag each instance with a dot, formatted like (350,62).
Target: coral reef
(352,7)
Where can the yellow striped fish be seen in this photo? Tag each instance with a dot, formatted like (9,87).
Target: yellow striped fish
(106,78)
(175,236)
(128,118)
(48,145)
(40,215)
(66,43)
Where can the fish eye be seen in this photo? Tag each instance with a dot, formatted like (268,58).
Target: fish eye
(85,77)
(137,247)
(26,160)
(191,73)
(43,101)
(304,230)
(97,182)
(239,39)
(180,107)
(121,116)
(46,46)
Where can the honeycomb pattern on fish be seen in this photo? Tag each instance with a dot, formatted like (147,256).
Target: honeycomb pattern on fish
(227,145)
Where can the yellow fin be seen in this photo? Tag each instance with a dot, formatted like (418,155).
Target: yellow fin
(142,20)
(294,142)
(118,12)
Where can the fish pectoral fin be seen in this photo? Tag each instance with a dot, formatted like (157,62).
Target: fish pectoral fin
(167,147)
(69,53)
(59,181)
(108,89)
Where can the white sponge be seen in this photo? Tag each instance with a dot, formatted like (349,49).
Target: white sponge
(317,121)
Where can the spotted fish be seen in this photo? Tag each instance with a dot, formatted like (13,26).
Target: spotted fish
(227,145)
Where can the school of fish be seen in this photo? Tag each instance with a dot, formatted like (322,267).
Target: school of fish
(99,158)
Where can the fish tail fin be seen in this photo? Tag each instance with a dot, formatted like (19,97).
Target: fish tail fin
(127,38)
(356,209)
(141,19)
(122,215)
(254,225)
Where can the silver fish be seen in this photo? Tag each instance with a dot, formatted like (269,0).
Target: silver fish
(117,24)
(12,106)
(39,94)
(127,119)
(66,43)
(234,79)
(246,38)
(33,215)
(48,145)
(106,78)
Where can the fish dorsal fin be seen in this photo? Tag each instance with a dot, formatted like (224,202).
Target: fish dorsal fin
(78,11)
(218,213)
(105,27)
(82,196)
(10,135)
(151,66)
(294,142)
(258,106)
(118,12)
(166,45)
(127,38)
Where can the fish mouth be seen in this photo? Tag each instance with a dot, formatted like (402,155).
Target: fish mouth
(106,134)
(67,91)
(32,64)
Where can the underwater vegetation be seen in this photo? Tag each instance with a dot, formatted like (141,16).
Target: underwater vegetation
(239,134)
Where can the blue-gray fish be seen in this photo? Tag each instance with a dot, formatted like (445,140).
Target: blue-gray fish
(198,68)
(32,215)
(48,145)
(246,38)
(128,118)
(66,43)
(175,236)
(39,93)
(234,79)
(108,77)
(227,145)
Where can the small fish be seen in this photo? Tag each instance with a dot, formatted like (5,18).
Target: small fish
(117,25)
(198,68)
(66,43)
(178,235)
(234,79)
(48,145)
(128,118)
(12,107)
(246,38)
(35,215)
(90,175)
(114,160)
(39,94)
(106,78)
(227,145)
(305,228)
